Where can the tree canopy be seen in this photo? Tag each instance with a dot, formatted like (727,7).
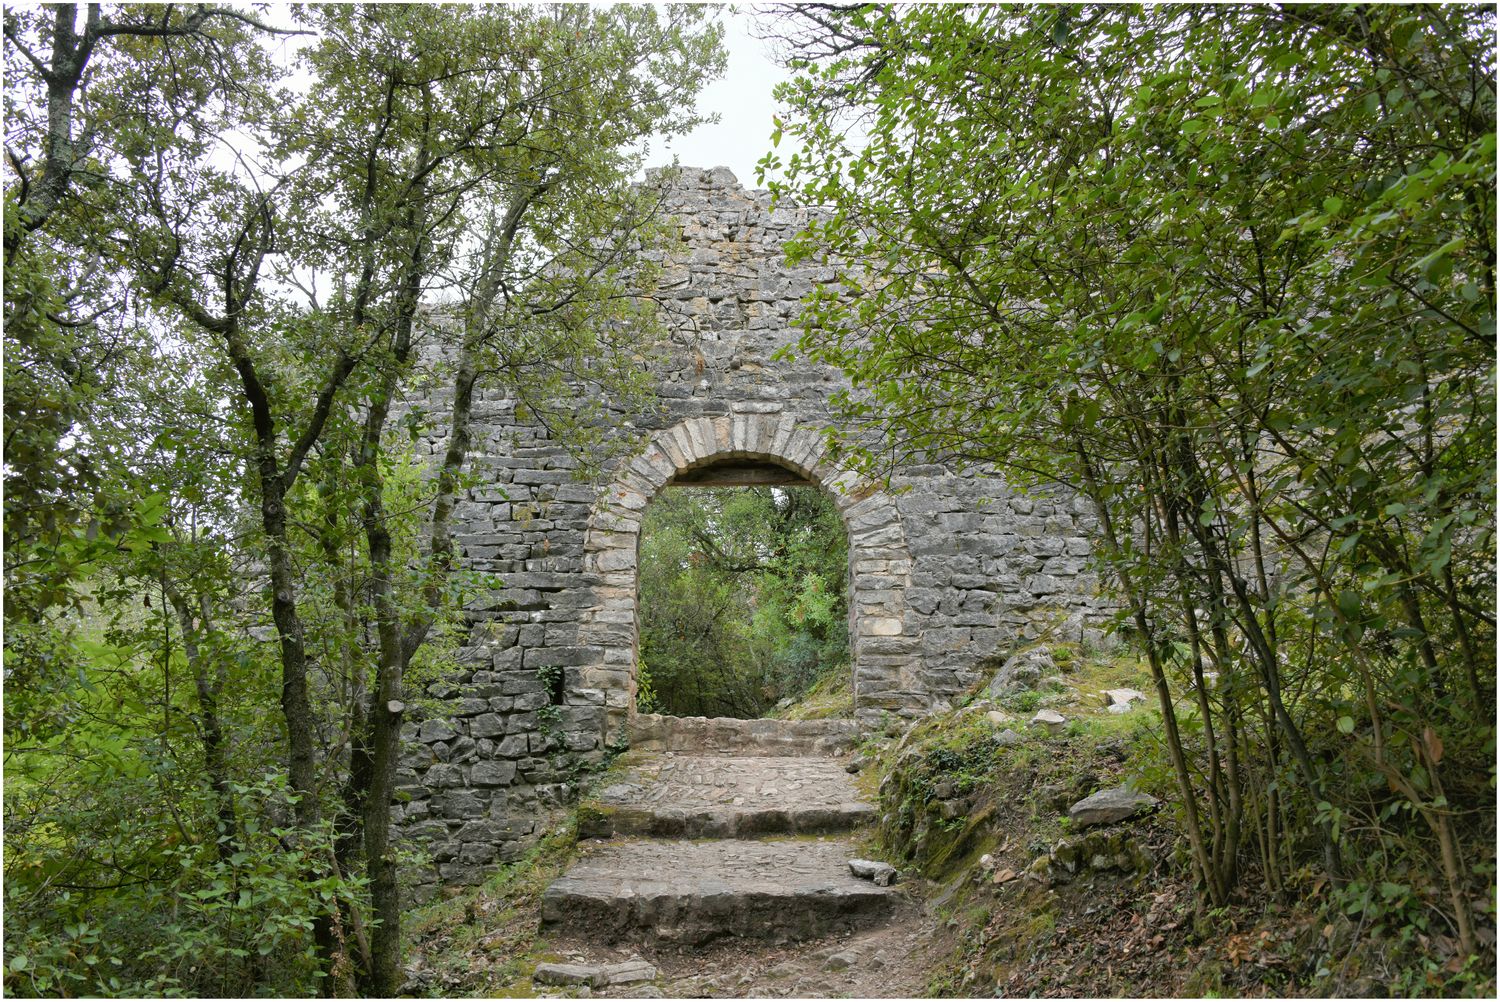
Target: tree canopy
(1228,272)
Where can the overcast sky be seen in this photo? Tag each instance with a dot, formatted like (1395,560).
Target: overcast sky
(742,97)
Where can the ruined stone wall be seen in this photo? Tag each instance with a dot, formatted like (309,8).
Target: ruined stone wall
(946,571)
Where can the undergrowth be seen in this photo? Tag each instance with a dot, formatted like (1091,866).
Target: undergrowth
(953,792)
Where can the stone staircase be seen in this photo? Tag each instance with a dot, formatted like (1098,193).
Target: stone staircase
(721,829)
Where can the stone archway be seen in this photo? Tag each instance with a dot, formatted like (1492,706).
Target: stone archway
(881,633)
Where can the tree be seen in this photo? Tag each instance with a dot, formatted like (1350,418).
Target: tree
(479,205)
(1229,273)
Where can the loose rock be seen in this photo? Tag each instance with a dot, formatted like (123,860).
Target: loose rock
(564,974)
(1107,806)
(1050,719)
(632,971)
(884,874)
(841,961)
(1008,739)
(1123,697)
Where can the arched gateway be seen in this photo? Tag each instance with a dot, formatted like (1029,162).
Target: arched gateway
(948,569)
(752,448)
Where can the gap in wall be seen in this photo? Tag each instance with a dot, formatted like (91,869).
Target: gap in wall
(743,603)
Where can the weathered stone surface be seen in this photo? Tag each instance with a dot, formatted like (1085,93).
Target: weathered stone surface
(631,972)
(565,974)
(730,736)
(709,796)
(1117,803)
(1098,851)
(693,892)
(946,568)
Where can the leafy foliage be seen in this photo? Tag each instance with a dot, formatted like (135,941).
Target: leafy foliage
(1229,273)
(743,598)
(217,290)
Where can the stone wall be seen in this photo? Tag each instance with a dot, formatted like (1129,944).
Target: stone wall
(947,572)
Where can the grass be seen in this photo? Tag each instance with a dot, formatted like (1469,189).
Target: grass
(831,696)
(484,940)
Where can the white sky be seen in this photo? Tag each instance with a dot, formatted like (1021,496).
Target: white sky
(742,98)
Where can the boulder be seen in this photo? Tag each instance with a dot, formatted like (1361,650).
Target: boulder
(1117,803)
(1008,739)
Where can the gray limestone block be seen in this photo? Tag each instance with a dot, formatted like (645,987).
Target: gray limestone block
(461,874)
(476,852)
(486,725)
(459,804)
(565,974)
(514,683)
(462,749)
(492,773)
(511,746)
(436,730)
(520,723)
(444,776)
(529,701)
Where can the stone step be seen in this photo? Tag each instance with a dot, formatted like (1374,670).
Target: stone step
(650,890)
(719,796)
(733,736)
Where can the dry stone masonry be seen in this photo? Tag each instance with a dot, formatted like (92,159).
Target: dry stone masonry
(948,572)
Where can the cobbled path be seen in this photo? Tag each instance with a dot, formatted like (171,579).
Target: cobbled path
(758,852)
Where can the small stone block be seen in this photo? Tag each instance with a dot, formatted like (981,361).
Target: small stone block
(564,974)
(631,972)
